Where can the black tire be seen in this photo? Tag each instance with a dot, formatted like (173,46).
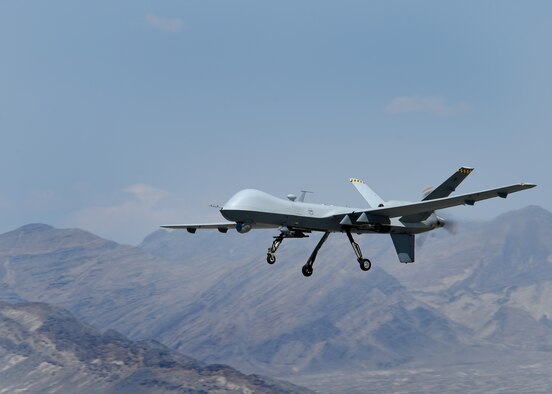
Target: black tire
(307,271)
(270,258)
(365,264)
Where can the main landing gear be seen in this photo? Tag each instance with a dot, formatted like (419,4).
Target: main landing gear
(307,269)
(365,264)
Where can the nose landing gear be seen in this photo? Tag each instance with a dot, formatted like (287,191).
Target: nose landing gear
(365,264)
(271,255)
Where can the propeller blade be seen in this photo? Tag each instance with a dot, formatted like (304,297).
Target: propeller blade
(451,226)
(426,191)
(420,240)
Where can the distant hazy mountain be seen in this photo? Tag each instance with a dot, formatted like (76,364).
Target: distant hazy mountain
(213,295)
(46,350)
(521,255)
(503,293)
(513,249)
(228,308)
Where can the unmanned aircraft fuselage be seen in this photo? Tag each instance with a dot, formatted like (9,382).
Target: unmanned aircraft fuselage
(294,218)
(266,211)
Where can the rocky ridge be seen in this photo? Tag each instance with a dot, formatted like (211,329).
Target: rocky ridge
(468,298)
(46,350)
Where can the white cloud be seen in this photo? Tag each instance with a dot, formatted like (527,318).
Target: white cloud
(171,25)
(139,212)
(433,105)
(146,194)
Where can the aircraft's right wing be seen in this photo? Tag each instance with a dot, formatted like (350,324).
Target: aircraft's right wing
(447,202)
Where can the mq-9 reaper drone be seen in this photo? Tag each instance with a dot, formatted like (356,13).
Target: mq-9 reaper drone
(294,218)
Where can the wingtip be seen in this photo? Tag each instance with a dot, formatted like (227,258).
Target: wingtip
(171,226)
(528,185)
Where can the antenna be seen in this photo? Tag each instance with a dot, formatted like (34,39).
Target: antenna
(303,194)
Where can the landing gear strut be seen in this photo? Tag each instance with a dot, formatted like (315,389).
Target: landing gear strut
(271,255)
(365,264)
(307,268)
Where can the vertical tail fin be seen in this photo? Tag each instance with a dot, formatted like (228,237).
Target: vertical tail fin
(449,185)
(369,195)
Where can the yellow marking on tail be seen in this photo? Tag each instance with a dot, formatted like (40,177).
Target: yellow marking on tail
(464,170)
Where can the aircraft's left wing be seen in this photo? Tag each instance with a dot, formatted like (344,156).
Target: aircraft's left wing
(447,202)
(222,227)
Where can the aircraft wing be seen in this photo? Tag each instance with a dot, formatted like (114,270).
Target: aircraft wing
(447,202)
(222,227)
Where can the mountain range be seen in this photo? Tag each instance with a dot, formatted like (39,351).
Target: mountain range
(475,297)
(44,349)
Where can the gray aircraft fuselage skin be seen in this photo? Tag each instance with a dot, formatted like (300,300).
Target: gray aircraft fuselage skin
(259,209)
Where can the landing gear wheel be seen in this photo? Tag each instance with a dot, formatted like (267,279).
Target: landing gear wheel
(365,264)
(307,270)
(270,258)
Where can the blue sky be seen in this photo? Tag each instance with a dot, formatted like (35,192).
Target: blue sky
(119,116)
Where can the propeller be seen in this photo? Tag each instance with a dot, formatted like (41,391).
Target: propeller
(420,240)
(450,225)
